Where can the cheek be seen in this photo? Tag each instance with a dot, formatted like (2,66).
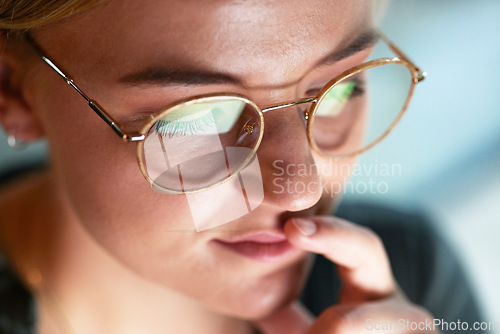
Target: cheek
(146,231)
(91,162)
(101,181)
(336,172)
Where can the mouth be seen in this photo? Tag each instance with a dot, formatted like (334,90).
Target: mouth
(268,246)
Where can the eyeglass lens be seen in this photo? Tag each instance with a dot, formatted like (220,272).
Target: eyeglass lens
(200,143)
(359,110)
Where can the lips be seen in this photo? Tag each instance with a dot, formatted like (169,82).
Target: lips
(260,246)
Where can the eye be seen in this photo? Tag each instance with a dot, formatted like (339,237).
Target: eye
(206,118)
(358,87)
(336,99)
(185,125)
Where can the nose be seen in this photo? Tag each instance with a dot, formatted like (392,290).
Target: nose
(290,176)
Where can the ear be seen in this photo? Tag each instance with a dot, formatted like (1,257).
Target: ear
(17,115)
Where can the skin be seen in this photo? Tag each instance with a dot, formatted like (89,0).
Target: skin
(94,223)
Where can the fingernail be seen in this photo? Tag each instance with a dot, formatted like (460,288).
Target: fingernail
(305,226)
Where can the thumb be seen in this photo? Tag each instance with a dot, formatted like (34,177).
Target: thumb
(293,319)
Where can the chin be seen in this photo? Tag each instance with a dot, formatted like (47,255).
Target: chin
(260,297)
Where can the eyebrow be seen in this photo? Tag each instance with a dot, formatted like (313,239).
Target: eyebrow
(363,41)
(165,77)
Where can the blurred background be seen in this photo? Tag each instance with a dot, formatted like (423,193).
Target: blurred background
(447,145)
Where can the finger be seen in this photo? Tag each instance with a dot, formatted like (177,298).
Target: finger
(359,253)
(293,319)
(385,316)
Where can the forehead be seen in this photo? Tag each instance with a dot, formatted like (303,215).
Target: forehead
(254,39)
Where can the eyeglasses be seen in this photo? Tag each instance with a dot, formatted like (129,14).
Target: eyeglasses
(200,142)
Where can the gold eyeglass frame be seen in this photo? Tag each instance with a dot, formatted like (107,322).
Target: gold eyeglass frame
(139,137)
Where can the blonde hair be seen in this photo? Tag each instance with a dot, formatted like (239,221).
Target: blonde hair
(22,15)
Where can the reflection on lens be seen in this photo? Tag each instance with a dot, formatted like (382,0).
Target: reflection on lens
(360,110)
(201,143)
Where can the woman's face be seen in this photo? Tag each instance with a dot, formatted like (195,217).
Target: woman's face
(273,52)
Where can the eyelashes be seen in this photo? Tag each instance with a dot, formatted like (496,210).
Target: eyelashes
(357,82)
(208,122)
(359,87)
(182,128)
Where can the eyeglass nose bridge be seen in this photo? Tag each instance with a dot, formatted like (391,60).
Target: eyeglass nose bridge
(249,128)
(291,104)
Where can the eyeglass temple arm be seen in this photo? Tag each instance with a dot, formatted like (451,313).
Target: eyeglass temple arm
(420,74)
(92,104)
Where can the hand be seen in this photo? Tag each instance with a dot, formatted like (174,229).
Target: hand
(369,294)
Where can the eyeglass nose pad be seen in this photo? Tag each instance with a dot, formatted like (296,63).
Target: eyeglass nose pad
(249,131)
(303,112)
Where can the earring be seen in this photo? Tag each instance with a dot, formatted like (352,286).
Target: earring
(16,144)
